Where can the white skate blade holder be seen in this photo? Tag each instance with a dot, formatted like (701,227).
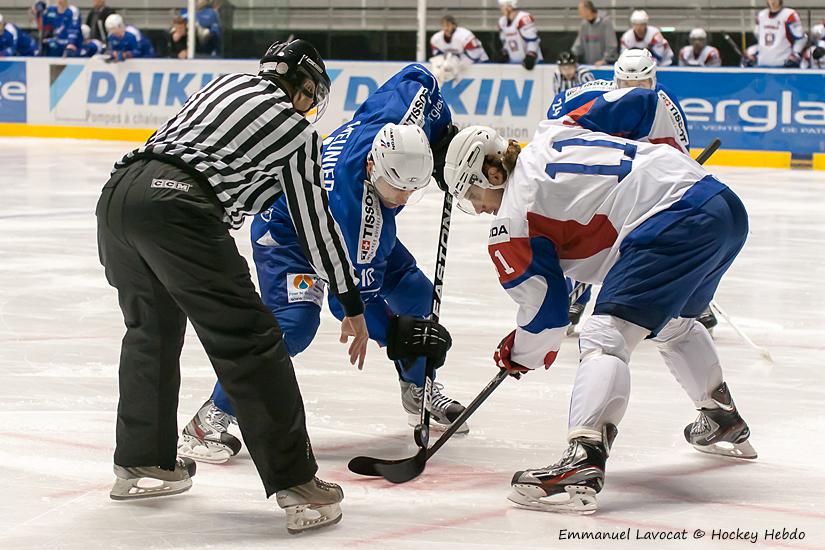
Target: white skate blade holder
(305,517)
(576,500)
(732,450)
(147,487)
(203,451)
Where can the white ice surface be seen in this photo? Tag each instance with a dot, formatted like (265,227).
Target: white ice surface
(60,331)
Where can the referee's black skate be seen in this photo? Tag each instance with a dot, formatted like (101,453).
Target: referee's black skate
(570,485)
(135,482)
(206,438)
(720,430)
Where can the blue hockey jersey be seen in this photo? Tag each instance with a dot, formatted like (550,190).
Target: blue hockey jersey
(132,44)
(411,96)
(62,31)
(653,116)
(13,41)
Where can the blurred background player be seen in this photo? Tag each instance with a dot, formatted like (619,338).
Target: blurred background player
(207,28)
(96,20)
(651,225)
(454,49)
(61,30)
(126,41)
(596,42)
(91,46)
(698,53)
(371,166)
(14,42)
(646,37)
(520,42)
(177,38)
(780,36)
(814,57)
(568,74)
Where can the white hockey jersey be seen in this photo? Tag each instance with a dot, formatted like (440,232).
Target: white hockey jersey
(571,200)
(519,36)
(780,36)
(653,41)
(462,43)
(708,57)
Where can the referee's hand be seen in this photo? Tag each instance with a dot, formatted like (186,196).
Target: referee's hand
(357,328)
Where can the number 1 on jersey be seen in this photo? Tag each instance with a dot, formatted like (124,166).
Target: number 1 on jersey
(507,269)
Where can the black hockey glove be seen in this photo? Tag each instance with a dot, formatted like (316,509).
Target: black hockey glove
(440,154)
(793,61)
(818,53)
(410,337)
(530,61)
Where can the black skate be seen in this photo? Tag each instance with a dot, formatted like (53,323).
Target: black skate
(206,438)
(720,430)
(708,319)
(578,476)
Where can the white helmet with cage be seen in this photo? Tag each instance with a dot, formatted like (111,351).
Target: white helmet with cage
(639,17)
(633,66)
(465,158)
(402,157)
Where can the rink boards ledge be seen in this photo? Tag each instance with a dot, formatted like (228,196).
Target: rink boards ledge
(723,157)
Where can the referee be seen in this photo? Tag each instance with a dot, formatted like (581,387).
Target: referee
(163,236)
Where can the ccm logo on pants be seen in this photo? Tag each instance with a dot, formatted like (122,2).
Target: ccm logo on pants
(171,184)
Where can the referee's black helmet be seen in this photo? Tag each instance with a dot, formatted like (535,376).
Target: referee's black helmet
(295,62)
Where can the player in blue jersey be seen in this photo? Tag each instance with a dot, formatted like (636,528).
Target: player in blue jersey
(61,29)
(648,112)
(371,165)
(126,41)
(14,42)
(91,46)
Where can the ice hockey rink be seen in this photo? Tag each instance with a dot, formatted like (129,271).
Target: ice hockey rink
(60,331)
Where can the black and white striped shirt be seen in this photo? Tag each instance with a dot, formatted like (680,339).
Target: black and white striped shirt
(560,84)
(242,135)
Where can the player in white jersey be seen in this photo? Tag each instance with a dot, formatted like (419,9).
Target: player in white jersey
(781,36)
(698,53)
(655,229)
(646,37)
(454,49)
(520,42)
(814,56)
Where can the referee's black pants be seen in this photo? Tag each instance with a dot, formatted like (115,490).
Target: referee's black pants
(169,255)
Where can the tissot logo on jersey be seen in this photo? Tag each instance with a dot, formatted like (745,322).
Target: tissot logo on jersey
(371,223)
(676,117)
(415,114)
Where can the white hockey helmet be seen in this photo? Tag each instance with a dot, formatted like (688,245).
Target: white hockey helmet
(465,158)
(513,3)
(114,21)
(639,17)
(402,157)
(633,66)
(698,34)
(817,32)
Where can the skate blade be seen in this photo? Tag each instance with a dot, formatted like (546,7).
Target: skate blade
(732,450)
(435,426)
(147,487)
(580,500)
(203,451)
(297,520)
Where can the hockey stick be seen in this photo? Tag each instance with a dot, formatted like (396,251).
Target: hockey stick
(762,351)
(733,45)
(407,469)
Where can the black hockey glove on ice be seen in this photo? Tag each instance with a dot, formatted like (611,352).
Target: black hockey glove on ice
(440,154)
(410,337)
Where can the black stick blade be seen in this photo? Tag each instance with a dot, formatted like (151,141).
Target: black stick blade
(364,466)
(402,471)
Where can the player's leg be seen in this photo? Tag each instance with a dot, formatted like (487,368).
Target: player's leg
(149,372)
(690,353)
(294,293)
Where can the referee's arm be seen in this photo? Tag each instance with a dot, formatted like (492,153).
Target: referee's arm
(318,232)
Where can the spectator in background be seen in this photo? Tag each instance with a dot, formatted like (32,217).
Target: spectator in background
(780,36)
(96,19)
(520,42)
(13,41)
(207,28)
(177,38)
(814,56)
(454,49)
(126,42)
(61,29)
(568,73)
(596,43)
(698,53)
(646,37)
(91,46)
